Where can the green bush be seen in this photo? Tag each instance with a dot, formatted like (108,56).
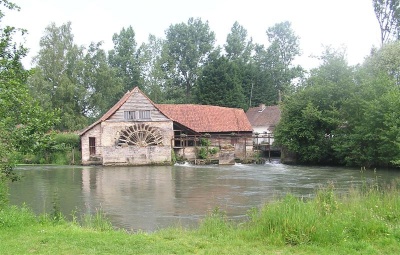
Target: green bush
(60,149)
(203,153)
(70,140)
(205,142)
(213,151)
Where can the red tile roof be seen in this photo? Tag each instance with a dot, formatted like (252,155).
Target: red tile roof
(264,115)
(199,118)
(207,118)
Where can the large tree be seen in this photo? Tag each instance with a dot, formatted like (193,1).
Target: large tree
(274,72)
(370,134)
(221,84)
(186,49)
(57,77)
(124,58)
(153,77)
(311,115)
(23,124)
(343,115)
(387,13)
(238,46)
(101,82)
(284,42)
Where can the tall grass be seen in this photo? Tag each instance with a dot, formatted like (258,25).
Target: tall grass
(97,221)
(3,193)
(328,218)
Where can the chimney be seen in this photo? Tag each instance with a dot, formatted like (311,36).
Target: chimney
(262,107)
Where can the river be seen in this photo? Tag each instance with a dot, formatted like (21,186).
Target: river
(154,197)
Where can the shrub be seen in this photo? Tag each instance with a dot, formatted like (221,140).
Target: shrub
(205,142)
(68,139)
(203,153)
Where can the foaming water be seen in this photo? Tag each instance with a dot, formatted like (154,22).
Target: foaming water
(183,164)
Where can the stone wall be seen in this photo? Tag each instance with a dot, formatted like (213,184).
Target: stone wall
(88,159)
(135,155)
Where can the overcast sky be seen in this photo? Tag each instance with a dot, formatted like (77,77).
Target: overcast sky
(348,23)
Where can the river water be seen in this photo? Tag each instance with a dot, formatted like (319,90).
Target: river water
(150,198)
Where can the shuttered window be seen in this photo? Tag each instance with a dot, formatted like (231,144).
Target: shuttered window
(137,115)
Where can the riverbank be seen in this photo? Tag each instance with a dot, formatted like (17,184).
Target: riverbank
(364,221)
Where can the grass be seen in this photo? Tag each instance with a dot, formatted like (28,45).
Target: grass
(362,221)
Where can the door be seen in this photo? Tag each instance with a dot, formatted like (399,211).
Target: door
(92,146)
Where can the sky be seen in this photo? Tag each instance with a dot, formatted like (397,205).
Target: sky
(348,24)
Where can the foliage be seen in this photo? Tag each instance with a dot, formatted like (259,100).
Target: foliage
(186,49)
(58,148)
(203,153)
(327,219)
(284,41)
(125,61)
(103,84)
(151,72)
(343,115)
(71,140)
(56,77)
(23,123)
(220,84)
(205,142)
(213,151)
(98,221)
(78,81)
(387,13)
(273,72)
(238,47)
(310,116)
(205,150)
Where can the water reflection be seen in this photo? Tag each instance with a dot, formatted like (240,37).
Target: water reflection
(149,198)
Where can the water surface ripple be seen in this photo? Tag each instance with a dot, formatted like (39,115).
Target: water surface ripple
(149,198)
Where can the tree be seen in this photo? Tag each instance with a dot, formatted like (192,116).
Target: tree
(311,116)
(387,13)
(273,70)
(344,115)
(387,59)
(124,58)
(23,124)
(220,84)
(57,76)
(101,82)
(284,42)
(187,48)
(149,56)
(370,133)
(237,46)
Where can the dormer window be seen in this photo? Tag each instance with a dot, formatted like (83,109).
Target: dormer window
(137,115)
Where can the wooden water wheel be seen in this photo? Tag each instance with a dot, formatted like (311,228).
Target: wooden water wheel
(140,135)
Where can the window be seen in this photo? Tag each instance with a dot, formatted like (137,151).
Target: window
(137,115)
(144,114)
(92,145)
(129,115)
